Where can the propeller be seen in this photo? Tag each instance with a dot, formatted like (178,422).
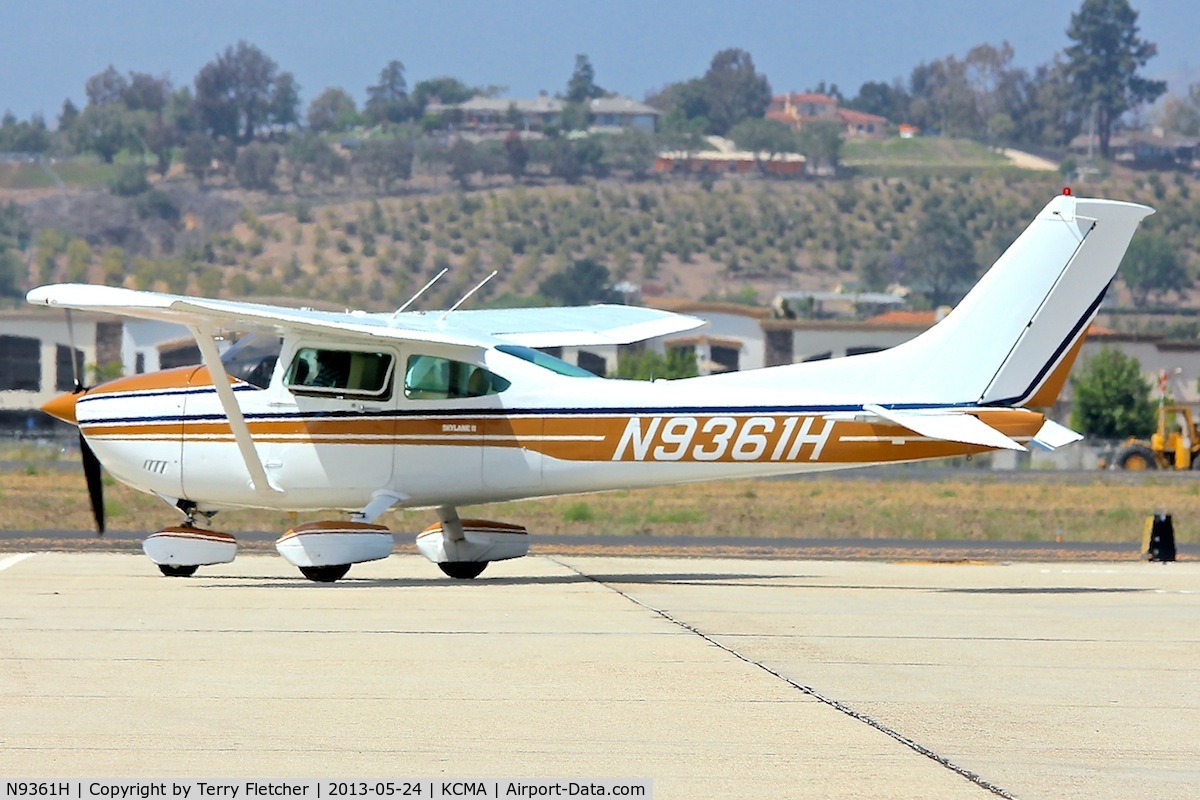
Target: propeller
(95,486)
(91,464)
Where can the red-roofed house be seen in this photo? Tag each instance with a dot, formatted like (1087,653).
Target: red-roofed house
(799,108)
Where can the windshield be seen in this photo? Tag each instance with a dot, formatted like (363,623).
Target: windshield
(252,358)
(545,361)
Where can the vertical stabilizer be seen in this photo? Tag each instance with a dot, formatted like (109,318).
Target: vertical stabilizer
(1006,340)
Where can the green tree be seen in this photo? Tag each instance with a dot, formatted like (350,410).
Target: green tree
(1102,63)
(576,117)
(875,270)
(632,150)
(79,257)
(68,115)
(235,93)
(766,138)
(1182,114)
(106,88)
(940,257)
(285,101)
(516,155)
(943,99)
(821,143)
(685,107)
(444,90)
(385,162)
(649,365)
(883,99)
(145,92)
(15,236)
(24,136)
(582,85)
(735,91)
(1152,267)
(11,271)
(198,154)
(104,130)
(1112,397)
(130,181)
(160,137)
(566,161)
(256,165)
(112,265)
(311,154)
(463,162)
(332,110)
(581,283)
(387,101)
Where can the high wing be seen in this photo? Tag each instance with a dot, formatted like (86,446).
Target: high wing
(532,327)
(541,327)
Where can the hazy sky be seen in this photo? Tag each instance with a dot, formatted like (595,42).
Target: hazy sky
(48,48)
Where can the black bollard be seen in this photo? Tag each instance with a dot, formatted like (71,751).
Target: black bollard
(1158,540)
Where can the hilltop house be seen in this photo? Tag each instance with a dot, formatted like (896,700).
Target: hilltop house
(484,114)
(1143,148)
(798,109)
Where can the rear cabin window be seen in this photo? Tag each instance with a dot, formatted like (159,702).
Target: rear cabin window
(433,378)
(340,372)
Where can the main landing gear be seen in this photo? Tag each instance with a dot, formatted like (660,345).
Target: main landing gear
(324,551)
(462,548)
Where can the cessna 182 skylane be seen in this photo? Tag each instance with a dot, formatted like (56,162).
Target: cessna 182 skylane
(365,412)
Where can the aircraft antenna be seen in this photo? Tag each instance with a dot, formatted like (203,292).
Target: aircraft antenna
(478,286)
(420,292)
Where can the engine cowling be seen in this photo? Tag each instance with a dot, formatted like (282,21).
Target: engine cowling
(483,540)
(186,546)
(331,543)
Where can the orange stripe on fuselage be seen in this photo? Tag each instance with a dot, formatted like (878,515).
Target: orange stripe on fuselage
(177,378)
(688,438)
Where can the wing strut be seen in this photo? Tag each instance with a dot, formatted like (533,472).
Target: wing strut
(237,422)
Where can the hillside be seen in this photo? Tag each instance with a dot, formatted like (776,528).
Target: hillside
(739,239)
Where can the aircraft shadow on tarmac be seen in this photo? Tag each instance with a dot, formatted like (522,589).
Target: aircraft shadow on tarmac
(1047,590)
(730,579)
(435,581)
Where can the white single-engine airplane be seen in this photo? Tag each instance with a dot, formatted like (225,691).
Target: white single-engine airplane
(365,412)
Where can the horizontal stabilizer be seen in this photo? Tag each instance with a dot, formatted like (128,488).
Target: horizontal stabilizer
(1052,436)
(949,426)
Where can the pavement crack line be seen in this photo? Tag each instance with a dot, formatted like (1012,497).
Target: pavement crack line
(837,705)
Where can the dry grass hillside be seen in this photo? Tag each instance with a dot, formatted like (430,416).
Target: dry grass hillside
(741,240)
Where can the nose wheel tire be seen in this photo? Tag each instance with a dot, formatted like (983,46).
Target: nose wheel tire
(327,574)
(172,571)
(463,570)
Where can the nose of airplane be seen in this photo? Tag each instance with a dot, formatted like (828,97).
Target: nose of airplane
(63,407)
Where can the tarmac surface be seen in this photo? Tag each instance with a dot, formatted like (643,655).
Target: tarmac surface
(715,677)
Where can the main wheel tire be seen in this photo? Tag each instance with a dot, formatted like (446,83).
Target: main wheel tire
(327,574)
(1136,457)
(463,570)
(174,571)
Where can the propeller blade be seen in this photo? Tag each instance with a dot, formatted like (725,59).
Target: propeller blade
(91,472)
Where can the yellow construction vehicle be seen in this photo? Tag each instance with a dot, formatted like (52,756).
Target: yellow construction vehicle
(1175,445)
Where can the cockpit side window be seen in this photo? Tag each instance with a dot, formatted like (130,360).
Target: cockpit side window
(340,372)
(434,378)
(252,359)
